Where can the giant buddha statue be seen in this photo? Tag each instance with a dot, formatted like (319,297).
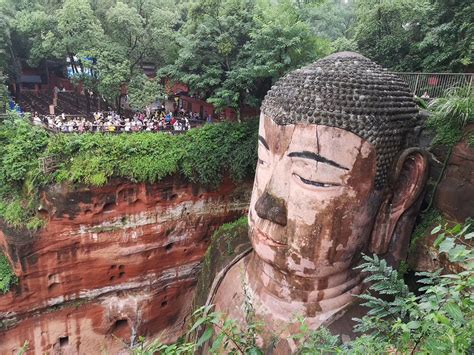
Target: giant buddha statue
(335,178)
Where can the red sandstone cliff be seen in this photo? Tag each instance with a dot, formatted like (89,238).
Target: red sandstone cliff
(112,263)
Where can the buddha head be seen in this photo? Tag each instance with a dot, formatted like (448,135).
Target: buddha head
(335,174)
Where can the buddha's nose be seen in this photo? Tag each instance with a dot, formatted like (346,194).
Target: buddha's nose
(271,208)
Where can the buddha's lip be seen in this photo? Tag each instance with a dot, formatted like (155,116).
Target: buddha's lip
(265,239)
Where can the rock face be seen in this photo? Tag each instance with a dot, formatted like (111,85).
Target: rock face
(453,201)
(455,193)
(112,263)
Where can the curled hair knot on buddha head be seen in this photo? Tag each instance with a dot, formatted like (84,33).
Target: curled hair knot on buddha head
(348,91)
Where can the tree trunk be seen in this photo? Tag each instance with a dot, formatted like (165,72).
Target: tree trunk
(16,73)
(88,103)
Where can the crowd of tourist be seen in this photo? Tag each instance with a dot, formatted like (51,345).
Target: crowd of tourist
(112,122)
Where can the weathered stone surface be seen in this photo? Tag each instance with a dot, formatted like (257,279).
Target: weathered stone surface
(117,259)
(455,193)
(424,256)
(335,178)
(229,244)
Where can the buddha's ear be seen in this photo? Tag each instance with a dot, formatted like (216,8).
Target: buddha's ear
(405,187)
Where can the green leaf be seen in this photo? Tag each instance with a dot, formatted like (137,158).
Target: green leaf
(198,323)
(413,324)
(204,337)
(456,229)
(454,311)
(436,229)
(439,239)
(469,236)
(216,345)
(446,245)
(254,351)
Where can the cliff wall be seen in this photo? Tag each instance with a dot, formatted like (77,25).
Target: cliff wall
(111,264)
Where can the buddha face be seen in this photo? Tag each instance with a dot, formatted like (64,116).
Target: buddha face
(313,204)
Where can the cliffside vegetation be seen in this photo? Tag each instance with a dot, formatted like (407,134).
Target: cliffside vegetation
(227,242)
(451,114)
(7,277)
(201,155)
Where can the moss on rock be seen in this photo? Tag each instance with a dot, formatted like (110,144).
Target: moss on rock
(227,242)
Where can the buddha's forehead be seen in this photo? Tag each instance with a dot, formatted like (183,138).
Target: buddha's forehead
(331,142)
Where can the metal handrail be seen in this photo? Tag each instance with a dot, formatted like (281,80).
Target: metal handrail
(435,84)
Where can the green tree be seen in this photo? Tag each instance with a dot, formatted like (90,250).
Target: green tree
(413,35)
(332,19)
(10,63)
(232,50)
(210,44)
(142,91)
(448,36)
(60,33)
(385,31)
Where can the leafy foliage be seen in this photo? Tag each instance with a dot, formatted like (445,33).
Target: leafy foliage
(455,241)
(382,30)
(20,147)
(3,93)
(143,91)
(330,19)
(311,341)
(451,113)
(7,277)
(439,320)
(232,50)
(230,339)
(112,39)
(447,36)
(412,35)
(201,155)
(227,51)
(426,220)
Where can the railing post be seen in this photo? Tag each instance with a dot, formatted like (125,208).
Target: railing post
(416,84)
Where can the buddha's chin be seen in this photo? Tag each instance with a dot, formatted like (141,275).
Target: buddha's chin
(260,238)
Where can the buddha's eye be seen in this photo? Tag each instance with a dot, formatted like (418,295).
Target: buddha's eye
(314,183)
(262,163)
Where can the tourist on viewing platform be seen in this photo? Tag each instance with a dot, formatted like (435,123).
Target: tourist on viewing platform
(112,122)
(128,126)
(36,120)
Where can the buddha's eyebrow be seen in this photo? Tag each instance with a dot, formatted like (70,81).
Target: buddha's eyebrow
(264,142)
(310,155)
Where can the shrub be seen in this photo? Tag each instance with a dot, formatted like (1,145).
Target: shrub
(7,277)
(450,114)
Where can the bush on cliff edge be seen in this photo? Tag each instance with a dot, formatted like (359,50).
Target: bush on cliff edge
(7,277)
(201,155)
